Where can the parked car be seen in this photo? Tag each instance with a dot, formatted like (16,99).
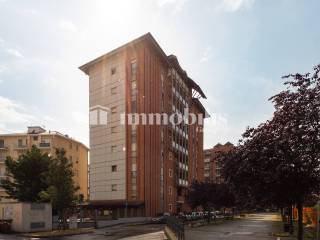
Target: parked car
(161,218)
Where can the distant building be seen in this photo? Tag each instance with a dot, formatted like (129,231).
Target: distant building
(16,144)
(142,169)
(212,162)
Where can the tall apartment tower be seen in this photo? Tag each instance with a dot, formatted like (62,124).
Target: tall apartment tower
(142,169)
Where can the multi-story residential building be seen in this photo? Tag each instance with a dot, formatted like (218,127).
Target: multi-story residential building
(213,162)
(16,144)
(142,169)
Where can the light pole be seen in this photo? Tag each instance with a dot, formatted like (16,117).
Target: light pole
(317,208)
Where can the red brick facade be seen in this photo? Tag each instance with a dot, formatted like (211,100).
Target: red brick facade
(212,162)
(161,160)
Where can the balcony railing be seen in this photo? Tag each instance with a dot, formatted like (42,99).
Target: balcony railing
(3,147)
(19,146)
(44,145)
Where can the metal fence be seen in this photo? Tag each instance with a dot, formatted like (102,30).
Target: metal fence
(176,225)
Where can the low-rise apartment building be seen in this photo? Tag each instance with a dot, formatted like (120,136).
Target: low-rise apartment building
(213,162)
(16,144)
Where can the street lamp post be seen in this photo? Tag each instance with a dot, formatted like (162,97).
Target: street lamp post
(317,208)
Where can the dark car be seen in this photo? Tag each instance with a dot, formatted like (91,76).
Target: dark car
(161,219)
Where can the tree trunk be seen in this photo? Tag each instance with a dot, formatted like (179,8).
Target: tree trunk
(300,221)
(282,214)
(290,219)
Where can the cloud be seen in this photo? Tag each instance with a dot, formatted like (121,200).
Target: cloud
(2,68)
(12,112)
(235,5)
(15,116)
(1,81)
(28,11)
(81,118)
(67,25)
(51,82)
(49,119)
(219,129)
(207,54)
(15,52)
(176,5)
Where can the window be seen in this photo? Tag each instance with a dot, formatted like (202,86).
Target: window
(134,167)
(133,85)
(170,207)
(70,145)
(134,154)
(114,168)
(1,143)
(77,147)
(134,66)
(133,106)
(114,110)
(134,195)
(35,138)
(133,137)
(113,129)
(133,147)
(134,93)
(114,187)
(170,172)
(20,143)
(170,190)
(133,174)
(113,70)
(113,90)
(113,148)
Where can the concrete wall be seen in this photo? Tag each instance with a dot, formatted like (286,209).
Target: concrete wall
(107,148)
(109,223)
(27,217)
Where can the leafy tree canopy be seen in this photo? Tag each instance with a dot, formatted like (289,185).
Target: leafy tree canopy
(27,176)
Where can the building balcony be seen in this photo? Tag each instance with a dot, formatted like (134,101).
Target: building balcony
(183,166)
(181,199)
(183,183)
(21,147)
(3,177)
(3,148)
(44,145)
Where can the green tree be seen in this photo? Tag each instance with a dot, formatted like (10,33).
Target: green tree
(61,191)
(200,195)
(278,161)
(26,176)
(208,195)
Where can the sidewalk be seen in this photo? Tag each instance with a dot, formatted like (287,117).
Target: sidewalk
(254,227)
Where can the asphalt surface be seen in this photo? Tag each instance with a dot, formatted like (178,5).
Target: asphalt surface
(128,232)
(254,227)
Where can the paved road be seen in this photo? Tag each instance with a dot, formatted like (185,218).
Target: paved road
(256,226)
(127,232)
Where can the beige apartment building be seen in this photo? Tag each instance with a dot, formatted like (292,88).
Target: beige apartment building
(16,144)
